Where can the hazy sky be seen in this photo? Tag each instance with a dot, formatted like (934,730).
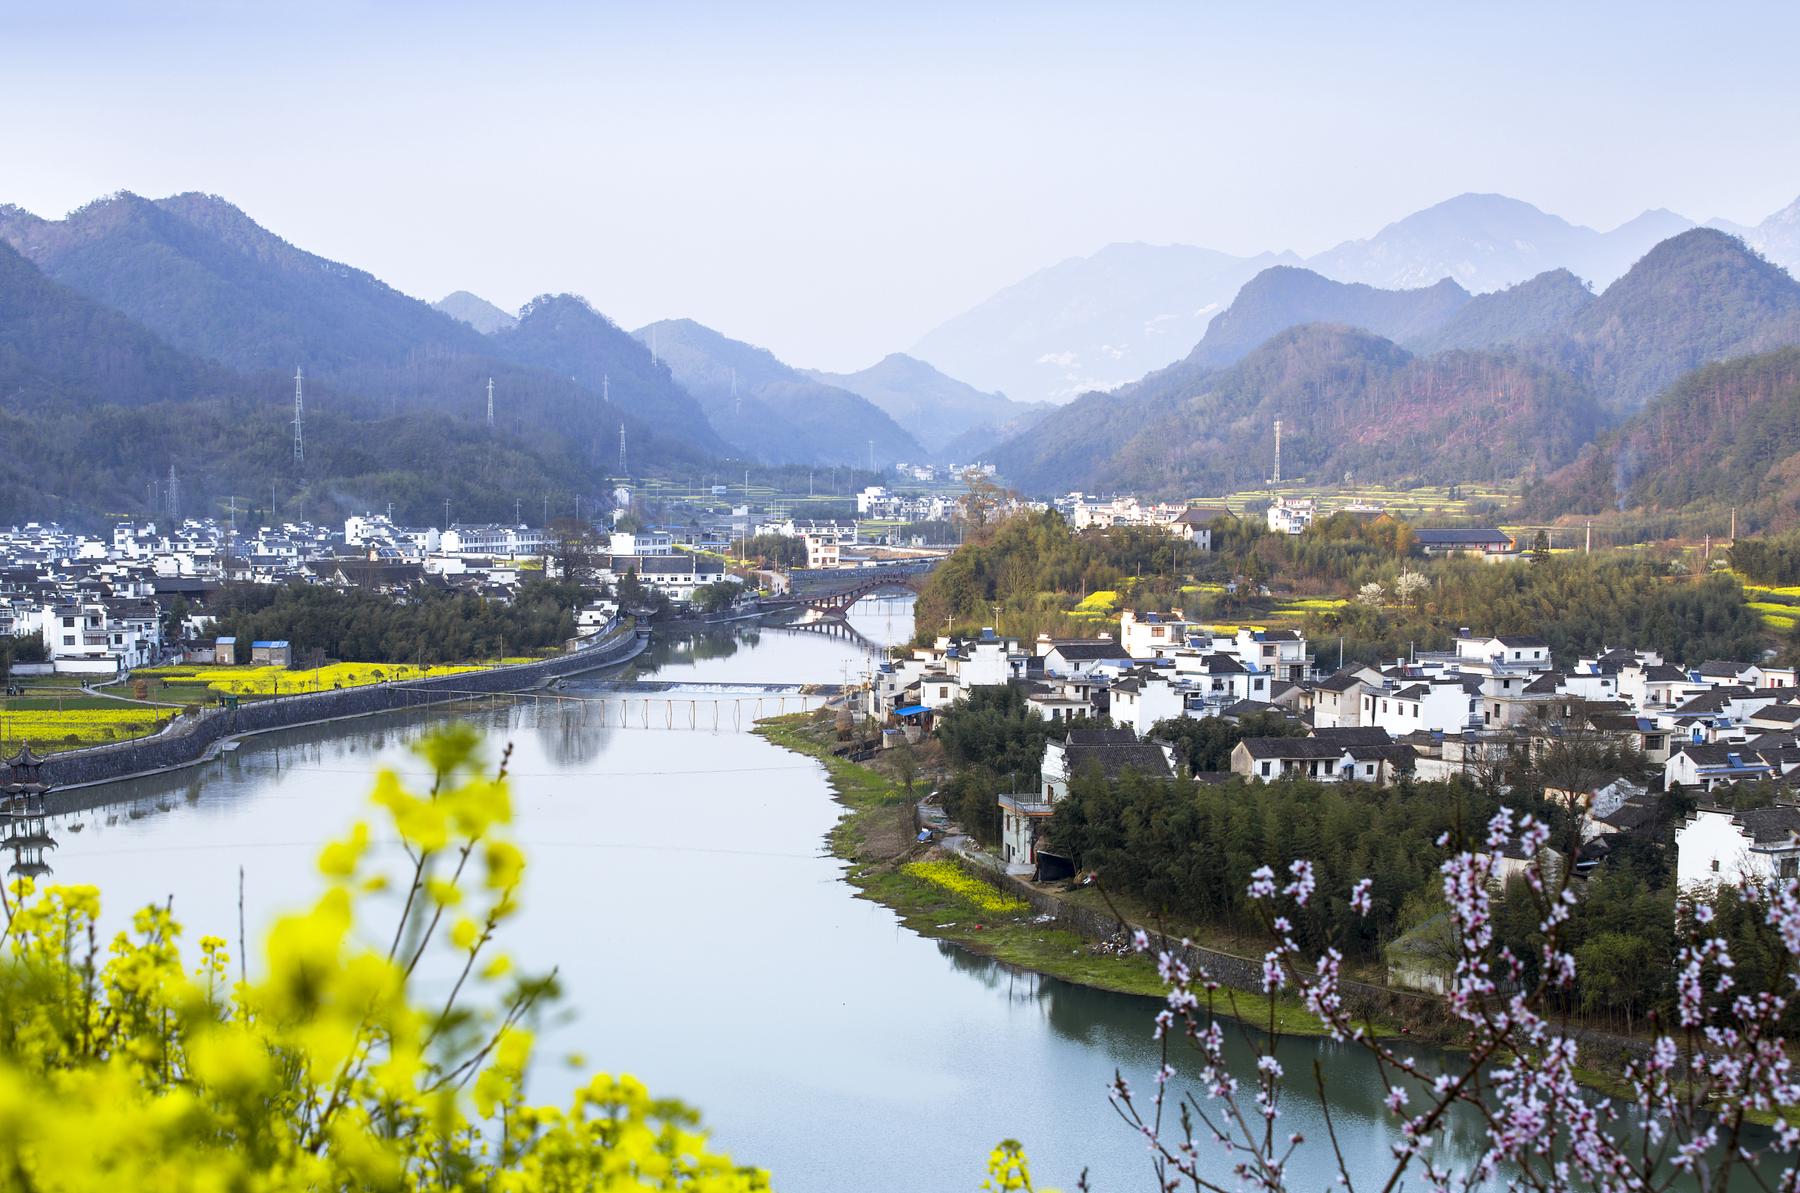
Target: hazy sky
(831,180)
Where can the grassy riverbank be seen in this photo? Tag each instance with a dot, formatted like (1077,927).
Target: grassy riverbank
(876,837)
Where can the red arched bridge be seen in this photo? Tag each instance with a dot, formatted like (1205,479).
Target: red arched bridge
(832,591)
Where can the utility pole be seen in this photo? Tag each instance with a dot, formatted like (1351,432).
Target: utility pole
(1589,548)
(871,455)
(299,419)
(446,513)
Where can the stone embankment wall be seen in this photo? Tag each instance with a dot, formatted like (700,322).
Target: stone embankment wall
(188,738)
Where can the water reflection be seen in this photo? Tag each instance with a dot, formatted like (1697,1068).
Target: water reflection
(705,937)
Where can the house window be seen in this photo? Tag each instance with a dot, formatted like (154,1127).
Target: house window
(1265,768)
(68,639)
(1715,865)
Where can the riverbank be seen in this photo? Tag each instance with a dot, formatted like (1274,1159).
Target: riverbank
(1077,938)
(877,838)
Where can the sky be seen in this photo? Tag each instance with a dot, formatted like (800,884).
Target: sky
(831,181)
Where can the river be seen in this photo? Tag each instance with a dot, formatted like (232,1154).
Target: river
(706,940)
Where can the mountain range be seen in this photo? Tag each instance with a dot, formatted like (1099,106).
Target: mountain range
(772,410)
(179,322)
(945,415)
(1096,322)
(1480,388)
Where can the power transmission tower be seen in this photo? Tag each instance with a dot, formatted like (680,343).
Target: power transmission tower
(299,418)
(490,411)
(737,403)
(174,496)
(623,471)
(1275,479)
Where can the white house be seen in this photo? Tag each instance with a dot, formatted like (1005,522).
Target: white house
(821,550)
(1153,635)
(1280,652)
(1023,819)
(1291,515)
(1511,650)
(1194,524)
(985,661)
(1079,656)
(1706,765)
(1723,846)
(1145,696)
(642,542)
(675,576)
(1442,704)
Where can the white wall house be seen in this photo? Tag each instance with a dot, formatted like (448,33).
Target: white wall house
(1440,705)
(1291,515)
(1724,846)
(1146,696)
(1153,635)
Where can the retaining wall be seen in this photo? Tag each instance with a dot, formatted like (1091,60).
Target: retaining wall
(188,738)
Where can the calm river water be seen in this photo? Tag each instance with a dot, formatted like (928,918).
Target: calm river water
(705,938)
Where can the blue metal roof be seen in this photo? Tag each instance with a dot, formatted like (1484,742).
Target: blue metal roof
(911,710)
(270,642)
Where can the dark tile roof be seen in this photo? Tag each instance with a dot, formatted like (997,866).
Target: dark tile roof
(1354,735)
(1114,759)
(1292,747)
(1101,737)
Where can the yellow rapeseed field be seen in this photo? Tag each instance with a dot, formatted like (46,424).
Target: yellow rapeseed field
(62,728)
(965,886)
(279,681)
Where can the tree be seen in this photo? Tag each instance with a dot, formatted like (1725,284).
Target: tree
(1540,547)
(1372,594)
(1410,587)
(906,765)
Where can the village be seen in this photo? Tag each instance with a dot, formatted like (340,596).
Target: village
(1467,713)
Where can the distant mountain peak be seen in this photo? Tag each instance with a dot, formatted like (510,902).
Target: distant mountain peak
(476,311)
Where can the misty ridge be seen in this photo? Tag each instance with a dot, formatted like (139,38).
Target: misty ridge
(1426,353)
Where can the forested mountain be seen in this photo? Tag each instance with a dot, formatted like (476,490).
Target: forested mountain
(1091,322)
(1696,298)
(58,347)
(205,277)
(772,411)
(1350,403)
(935,409)
(95,409)
(476,311)
(1528,311)
(562,334)
(1283,297)
(1725,435)
(1486,242)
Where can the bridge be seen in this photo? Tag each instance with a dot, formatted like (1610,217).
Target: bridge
(831,591)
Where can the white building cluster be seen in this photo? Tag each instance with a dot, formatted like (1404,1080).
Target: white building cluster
(1469,711)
